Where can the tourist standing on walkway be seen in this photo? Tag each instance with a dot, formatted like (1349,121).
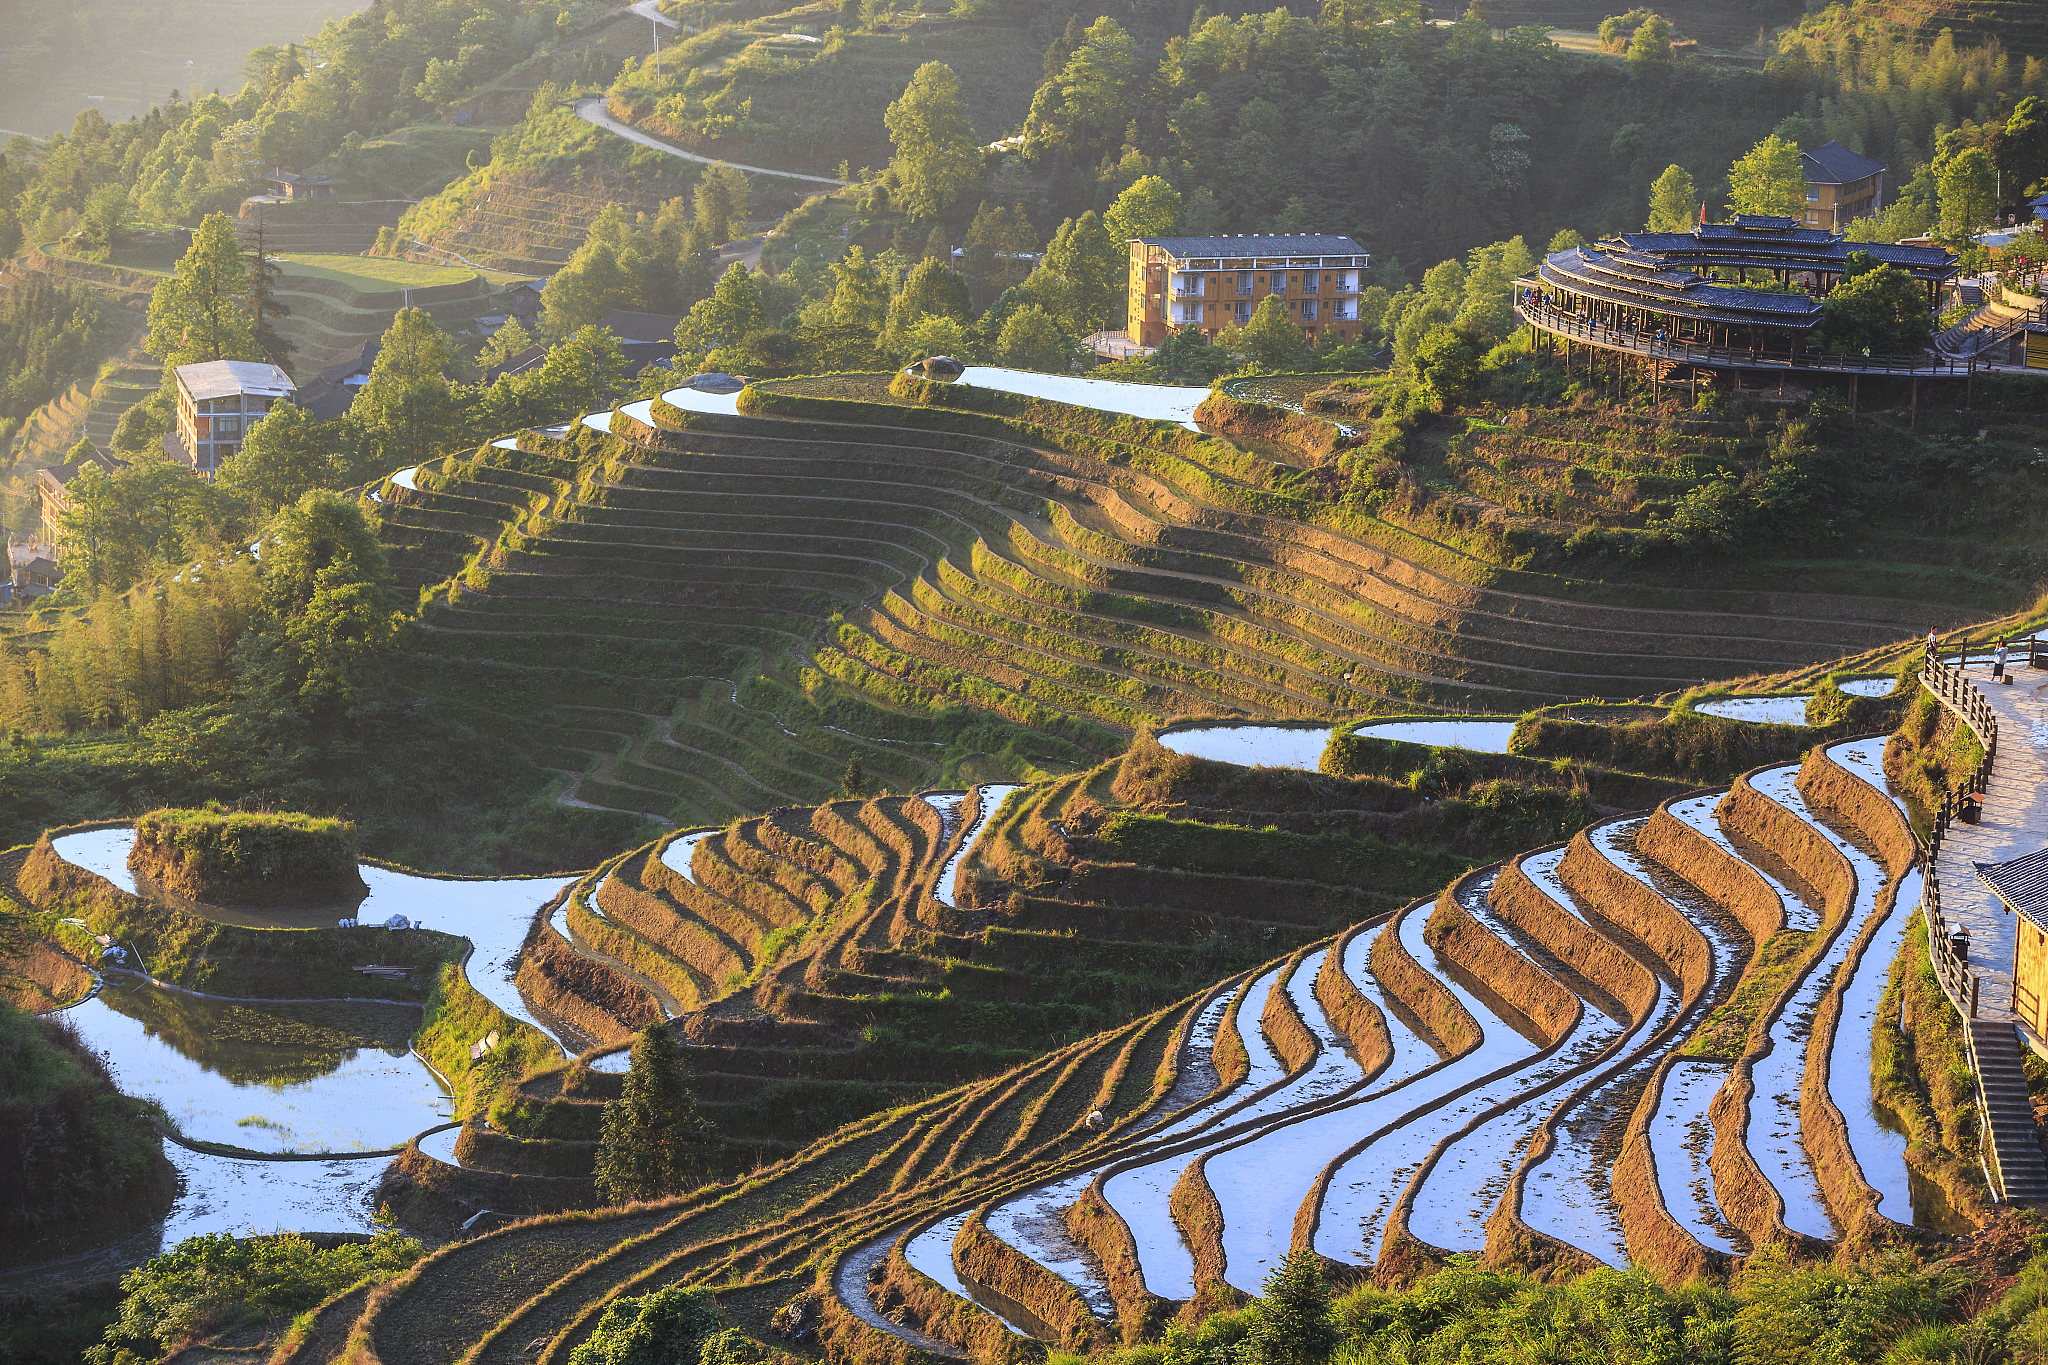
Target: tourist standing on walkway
(1998,661)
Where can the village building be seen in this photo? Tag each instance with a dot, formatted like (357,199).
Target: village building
(32,571)
(645,337)
(1841,186)
(50,490)
(291,186)
(1687,288)
(1217,282)
(218,401)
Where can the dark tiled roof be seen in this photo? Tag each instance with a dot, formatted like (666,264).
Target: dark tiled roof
(1834,164)
(1797,248)
(359,361)
(326,399)
(1637,283)
(2021,884)
(1754,222)
(1304,244)
(65,473)
(629,326)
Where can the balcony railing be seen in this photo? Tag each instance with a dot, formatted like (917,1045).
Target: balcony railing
(1644,342)
(1949,955)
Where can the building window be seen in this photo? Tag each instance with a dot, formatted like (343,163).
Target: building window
(1311,282)
(1813,194)
(1308,310)
(1279,283)
(1244,313)
(1244,283)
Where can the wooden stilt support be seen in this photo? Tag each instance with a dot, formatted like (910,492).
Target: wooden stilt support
(1852,395)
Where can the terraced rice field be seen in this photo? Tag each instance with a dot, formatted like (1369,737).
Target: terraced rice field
(1496,1069)
(710,612)
(996,1067)
(1526,1129)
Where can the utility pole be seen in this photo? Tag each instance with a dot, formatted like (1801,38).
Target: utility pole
(655,24)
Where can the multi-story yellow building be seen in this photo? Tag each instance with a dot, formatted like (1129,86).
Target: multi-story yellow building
(1214,282)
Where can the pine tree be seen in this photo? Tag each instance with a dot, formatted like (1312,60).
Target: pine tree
(1292,1325)
(853,781)
(653,1140)
(262,306)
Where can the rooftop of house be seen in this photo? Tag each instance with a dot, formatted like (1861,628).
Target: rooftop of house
(1833,164)
(226,378)
(62,474)
(360,361)
(284,177)
(1256,244)
(629,326)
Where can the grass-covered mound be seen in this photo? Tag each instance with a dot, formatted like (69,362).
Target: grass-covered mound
(247,857)
(79,1162)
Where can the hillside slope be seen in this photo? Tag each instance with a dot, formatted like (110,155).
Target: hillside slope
(710,615)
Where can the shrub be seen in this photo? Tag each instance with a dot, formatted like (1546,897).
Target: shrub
(672,1326)
(208,1283)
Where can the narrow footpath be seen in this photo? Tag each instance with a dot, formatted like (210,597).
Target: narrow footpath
(591,109)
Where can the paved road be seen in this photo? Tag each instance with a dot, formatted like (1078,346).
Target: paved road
(747,252)
(591,110)
(646,10)
(2015,821)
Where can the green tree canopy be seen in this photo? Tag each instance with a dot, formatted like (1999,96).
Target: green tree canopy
(1674,202)
(1292,1323)
(1031,339)
(1083,277)
(285,455)
(408,406)
(668,1327)
(1768,179)
(1092,98)
(1446,364)
(582,374)
(930,291)
(653,1140)
(1652,41)
(119,528)
(1882,310)
(1968,187)
(1270,339)
(587,289)
(196,315)
(724,319)
(1149,208)
(860,293)
(938,160)
(720,201)
(322,538)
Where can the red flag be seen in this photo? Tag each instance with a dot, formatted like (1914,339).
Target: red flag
(1703,213)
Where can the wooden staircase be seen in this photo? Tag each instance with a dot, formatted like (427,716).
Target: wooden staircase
(2013,1153)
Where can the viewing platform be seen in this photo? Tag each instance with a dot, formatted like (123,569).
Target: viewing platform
(1769,355)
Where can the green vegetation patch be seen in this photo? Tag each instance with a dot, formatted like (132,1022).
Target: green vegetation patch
(1726,1031)
(247,857)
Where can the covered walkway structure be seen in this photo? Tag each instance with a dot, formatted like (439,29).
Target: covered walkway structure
(1690,298)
